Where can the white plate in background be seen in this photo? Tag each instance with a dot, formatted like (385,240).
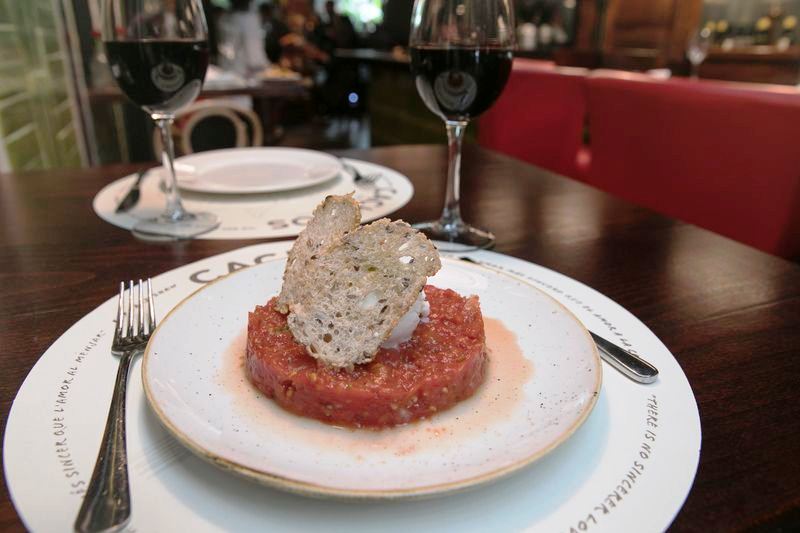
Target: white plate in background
(255,170)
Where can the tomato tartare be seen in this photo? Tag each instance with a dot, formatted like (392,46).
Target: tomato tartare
(443,363)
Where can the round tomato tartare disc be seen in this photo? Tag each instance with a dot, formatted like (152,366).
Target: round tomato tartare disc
(443,363)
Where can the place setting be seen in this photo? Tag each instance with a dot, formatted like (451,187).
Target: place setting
(255,193)
(258,192)
(580,444)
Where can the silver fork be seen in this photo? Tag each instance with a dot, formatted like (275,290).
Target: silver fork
(358,177)
(107,503)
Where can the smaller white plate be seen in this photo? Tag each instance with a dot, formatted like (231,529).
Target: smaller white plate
(255,170)
(533,399)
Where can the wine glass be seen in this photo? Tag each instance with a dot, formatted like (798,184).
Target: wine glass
(697,49)
(461,53)
(158,53)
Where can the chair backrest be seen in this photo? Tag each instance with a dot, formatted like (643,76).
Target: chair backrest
(641,35)
(720,155)
(213,124)
(540,116)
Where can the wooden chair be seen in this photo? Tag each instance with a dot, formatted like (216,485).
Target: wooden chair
(643,35)
(213,124)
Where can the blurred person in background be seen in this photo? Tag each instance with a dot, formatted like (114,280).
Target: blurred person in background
(241,42)
(274,29)
(212,12)
(397,22)
(338,29)
(302,50)
(340,84)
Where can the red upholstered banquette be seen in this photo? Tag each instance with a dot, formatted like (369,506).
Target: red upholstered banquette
(724,156)
(540,117)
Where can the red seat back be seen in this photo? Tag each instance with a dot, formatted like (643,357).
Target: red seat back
(539,118)
(724,156)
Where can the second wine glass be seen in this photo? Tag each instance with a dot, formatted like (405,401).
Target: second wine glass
(461,55)
(697,49)
(158,54)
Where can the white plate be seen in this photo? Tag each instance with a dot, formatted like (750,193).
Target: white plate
(194,380)
(255,170)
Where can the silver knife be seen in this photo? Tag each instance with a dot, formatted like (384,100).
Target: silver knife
(630,365)
(131,198)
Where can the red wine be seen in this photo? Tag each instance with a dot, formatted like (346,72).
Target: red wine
(159,76)
(460,83)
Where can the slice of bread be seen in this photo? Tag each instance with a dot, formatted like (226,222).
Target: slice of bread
(347,298)
(334,217)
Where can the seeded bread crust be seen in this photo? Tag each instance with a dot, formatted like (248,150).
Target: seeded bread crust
(346,298)
(334,217)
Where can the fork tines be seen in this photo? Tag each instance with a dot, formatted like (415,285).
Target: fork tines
(369,179)
(138,328)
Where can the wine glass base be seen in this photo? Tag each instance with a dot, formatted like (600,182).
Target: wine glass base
(456,238)
(164,228)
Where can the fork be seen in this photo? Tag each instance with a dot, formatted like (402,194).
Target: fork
(107,504)
(358,177)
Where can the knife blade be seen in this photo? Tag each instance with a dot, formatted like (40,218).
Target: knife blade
(131,198)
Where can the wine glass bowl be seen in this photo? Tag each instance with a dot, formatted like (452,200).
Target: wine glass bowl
(461,54)
(458,83)
(160,76)
(158,54)
(697,48)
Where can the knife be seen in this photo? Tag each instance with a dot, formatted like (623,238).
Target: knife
(132,196)
(630,365)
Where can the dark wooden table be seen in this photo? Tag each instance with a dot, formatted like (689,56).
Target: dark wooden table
(730,314)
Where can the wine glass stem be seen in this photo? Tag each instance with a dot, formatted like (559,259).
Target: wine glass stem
(175,210)
(451,214)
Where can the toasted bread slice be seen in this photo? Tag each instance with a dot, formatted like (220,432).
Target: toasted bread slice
(334,217)
(350,296)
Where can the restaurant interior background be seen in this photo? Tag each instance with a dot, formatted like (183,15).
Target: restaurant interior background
(53,67)
(59,106)
(639,171)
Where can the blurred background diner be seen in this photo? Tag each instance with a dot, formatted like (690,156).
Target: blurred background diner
(700,96)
